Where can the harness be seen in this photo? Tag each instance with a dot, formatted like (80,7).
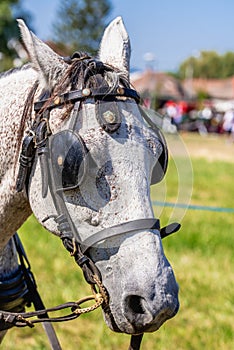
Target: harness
(56,153)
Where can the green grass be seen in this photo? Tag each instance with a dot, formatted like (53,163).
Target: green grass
(201,253)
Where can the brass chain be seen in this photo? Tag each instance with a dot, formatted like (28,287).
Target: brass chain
(99,297)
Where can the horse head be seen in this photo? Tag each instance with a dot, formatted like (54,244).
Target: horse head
(95,159)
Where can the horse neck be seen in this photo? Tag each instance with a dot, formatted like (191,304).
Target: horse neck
(14,207)
(8,260)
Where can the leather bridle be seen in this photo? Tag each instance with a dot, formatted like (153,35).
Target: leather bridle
(37,141)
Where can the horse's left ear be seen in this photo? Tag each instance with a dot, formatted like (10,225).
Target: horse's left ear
(49,65)
(115,46)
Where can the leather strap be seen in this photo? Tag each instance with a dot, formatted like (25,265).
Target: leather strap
(77,95)
(34,295)
(26,161)
(135,342)
(169,229)
(120,229)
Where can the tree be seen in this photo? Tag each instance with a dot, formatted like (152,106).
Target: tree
(209,64)
(80,24)
(9,33)
(228,64)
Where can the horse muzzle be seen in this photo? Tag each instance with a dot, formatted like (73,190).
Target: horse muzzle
(140,315)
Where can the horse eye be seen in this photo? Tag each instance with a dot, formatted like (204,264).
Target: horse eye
(152,145)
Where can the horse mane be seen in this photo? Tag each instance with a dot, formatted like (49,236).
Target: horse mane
(14,70)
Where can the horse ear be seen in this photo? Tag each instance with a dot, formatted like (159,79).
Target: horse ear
(44,59)
(115,46)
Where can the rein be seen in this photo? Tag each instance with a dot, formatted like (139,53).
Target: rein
(27,319)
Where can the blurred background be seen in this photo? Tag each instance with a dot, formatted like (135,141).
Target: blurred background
(182,64)
(182,54)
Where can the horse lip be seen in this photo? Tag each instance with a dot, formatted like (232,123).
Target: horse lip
(119,327)
(110,320)
(152,327)
(128,328)
(162,317)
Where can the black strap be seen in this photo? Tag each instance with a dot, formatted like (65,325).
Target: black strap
(135,342)
(41,145)
(120,229)
(169,229)
(130,226)
(77,95)
(34,296)
(26,161)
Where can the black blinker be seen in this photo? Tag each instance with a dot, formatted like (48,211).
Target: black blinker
(69,159)
(108,115)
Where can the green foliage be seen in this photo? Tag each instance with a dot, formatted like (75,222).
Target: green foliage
(202,95)
(80,24)
(209,64)
(9,33)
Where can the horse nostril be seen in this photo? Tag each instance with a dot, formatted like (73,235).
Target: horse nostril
(137,311)
(134,303)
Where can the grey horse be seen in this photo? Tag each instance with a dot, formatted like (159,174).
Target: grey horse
(114,187)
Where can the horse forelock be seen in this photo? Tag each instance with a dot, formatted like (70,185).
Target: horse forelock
(74,78)
(75,73)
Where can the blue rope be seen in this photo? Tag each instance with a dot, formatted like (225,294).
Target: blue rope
(193,207)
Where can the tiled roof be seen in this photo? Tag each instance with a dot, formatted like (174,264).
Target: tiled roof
(215,88)
(160,83)
(164,85)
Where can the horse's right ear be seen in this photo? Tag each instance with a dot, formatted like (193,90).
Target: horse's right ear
(115,46)
(49,65)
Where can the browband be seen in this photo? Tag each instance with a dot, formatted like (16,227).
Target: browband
(78,95)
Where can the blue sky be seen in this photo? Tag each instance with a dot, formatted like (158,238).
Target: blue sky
(170,30)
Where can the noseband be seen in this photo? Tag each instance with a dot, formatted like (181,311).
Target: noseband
(38,140)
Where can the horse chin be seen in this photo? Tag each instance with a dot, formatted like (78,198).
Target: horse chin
(128,328)
(125,326)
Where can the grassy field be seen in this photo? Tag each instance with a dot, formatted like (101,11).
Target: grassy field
(202,255)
